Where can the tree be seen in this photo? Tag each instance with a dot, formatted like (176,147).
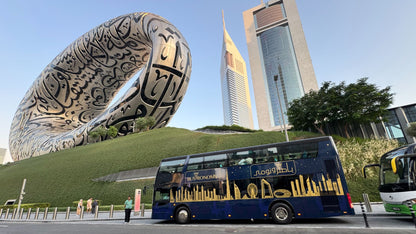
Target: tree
(102,131)
(94,135)
(356,103)
(140,124)
(112,131)
(303,113)
(316,108)
(98,132)
(365,103)
(411,130)
(145,123)
(150,122)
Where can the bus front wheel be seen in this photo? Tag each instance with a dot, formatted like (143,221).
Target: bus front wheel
(281,213)
(183,215)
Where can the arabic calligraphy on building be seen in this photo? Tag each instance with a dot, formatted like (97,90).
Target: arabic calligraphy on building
(273,169)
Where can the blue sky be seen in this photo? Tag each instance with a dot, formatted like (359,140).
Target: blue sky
(347,40)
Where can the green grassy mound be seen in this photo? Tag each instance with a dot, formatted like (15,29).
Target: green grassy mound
(63,177)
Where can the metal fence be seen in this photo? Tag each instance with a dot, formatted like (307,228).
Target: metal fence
(44,214)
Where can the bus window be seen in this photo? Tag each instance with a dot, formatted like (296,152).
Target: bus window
(241,158)
(412,174)
(195,163)
(294,152)
(215,161)
(170,173)
(172,166)
(331,169)
(162,195)
(267,155)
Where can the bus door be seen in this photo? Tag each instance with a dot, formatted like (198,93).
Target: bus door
(329,199)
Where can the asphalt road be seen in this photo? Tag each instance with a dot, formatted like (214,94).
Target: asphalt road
(346,224)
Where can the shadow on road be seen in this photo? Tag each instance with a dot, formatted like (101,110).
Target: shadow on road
(262,221)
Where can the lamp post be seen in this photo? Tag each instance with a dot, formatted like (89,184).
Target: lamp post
(276,78)
(22,192)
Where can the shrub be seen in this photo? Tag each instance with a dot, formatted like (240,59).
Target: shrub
(228,128)
(26,206)
(411,130)
(355,154)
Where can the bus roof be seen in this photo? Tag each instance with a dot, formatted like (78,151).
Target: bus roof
(315,139)
(407,149)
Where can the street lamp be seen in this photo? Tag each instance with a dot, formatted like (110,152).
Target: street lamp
(276,78)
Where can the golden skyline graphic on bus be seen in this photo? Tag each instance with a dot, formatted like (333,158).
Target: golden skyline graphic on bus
(299,187)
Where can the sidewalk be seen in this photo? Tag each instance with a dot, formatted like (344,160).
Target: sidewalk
(73,217)
(118,216)
(377,209)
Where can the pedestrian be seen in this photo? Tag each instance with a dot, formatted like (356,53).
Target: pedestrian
(94,205)
(79,207)
(128,205)
(89,203)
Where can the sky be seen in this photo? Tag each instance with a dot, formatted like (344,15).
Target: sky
(347,40)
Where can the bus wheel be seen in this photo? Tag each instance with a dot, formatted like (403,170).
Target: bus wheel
(183,215)
(281,213)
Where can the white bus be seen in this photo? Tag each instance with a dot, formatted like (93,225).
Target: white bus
(398,179)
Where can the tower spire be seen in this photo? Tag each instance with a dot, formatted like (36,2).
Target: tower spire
(223,21)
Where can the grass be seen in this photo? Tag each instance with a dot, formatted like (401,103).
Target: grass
(63,177)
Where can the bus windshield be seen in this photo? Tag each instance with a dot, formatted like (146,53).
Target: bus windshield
(405,177)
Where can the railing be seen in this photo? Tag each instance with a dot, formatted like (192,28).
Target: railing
(26,214)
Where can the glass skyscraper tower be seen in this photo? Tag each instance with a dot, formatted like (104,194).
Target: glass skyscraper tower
(281,67)
(234,85)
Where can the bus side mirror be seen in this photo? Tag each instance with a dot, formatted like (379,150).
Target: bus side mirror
(394,161)
(369,165)
(393,165)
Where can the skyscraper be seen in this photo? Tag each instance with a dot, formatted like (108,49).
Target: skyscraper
(234,85)
(2,155)
(281,67)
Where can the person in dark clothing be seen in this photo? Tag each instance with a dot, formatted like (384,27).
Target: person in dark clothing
(94,205)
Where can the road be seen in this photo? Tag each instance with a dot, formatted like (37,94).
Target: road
(345,224)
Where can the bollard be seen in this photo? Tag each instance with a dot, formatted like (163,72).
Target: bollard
(367,203)
(96,212)
(111,211)
(364,215)
(45,214)
(81,215)
(21,213)
(412,211)
(29,211)
(68,211)
(14,213)
(1,212)
(6,216)
(54,213)
(142,209)
(37,213)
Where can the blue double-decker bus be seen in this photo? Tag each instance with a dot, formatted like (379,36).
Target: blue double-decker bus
(281,181)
